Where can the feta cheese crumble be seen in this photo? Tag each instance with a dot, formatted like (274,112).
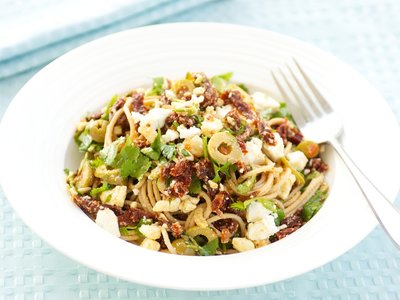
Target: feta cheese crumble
(275,152)
(107,220)
(297,159)
(263,102)
(254,155)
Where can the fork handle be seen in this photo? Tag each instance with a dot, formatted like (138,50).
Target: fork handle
(386,213)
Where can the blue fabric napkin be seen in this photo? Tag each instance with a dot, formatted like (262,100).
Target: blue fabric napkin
(33,32)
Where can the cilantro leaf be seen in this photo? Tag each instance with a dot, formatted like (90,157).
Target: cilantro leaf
(95,163)
(243,87)
(195,185)
(281,216)
(157,87)
(141,166)
(268,204)
(156,145)
(245,187)
(239,205)
(220,81)
(128,152)
(226,76)
(127,230)
(110,104)
(149,152)
(66,171)
(154,150)
(225,169)
(313,205)
(168,151)
(210,248)
(131,162)
(104,187)
(185,153)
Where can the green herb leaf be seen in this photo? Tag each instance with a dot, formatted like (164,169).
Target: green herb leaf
(245,187)
(149,152)
(226,169)
(185,153)
(131,162)
(168,151)
(205,147)
(104,187)
(95,163)
(110,104)
(220,81)
(195,185)
(281,216)
(227,76)
(268,204)
(313,205)
(283,112)
(66,171)
(243,87)
(157,87)
(128,230)
(210,248)
(239,205)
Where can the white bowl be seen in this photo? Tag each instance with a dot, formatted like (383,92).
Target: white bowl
(37,129)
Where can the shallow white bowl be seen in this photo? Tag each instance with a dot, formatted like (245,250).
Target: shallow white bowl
(37,129)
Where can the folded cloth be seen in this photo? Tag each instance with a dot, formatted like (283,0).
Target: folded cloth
(34,32)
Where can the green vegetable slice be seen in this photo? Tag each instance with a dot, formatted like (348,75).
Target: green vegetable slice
(157,87)
(106,114)
(313,205)
(104,187)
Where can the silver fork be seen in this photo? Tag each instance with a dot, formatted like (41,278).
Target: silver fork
(320,123)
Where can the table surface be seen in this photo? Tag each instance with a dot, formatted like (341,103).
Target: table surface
(363,33)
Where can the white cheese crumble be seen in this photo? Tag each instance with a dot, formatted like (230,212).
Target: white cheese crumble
(211,125)
(152,231)
(222,111)
(254,155)
(286,187)
(137,117)
(187,132)
(188,204)
(256,212)
(199,91)
(107,220)
(150,244)
(297,159)
(261,222)
(167,205)
(169,94)
(170,135)
(276,151)
(115,196)
(263,102)
(242,244)
(194,145)
(150,122)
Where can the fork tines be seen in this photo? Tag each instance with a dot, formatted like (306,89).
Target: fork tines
(303,91)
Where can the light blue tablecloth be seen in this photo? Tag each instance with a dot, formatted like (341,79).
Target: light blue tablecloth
(364,33)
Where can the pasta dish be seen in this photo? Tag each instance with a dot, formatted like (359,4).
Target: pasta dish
(197,166)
